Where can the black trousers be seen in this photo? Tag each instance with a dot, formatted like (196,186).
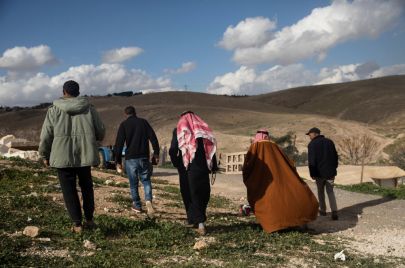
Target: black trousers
(195,190)
(67,179)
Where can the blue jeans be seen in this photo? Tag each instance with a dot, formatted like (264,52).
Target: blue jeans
(139,168)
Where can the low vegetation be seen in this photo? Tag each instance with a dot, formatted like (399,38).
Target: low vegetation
(370,188)
(233,241)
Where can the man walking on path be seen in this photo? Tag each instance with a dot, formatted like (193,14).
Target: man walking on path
(136,133)
(323,162)
(68,143)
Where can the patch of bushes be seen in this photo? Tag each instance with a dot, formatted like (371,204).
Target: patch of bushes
(370,188)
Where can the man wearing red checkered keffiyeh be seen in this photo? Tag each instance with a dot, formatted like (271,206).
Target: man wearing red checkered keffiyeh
(192,151)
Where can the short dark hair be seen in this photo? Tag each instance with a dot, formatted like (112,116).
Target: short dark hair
(186,112)
(72,88)
(130,110)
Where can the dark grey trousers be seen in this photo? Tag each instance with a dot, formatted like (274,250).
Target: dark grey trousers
(67,179)
(327,184)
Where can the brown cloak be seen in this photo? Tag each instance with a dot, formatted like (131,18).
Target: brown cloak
(275,191)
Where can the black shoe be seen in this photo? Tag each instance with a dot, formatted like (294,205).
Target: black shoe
(322,213)
(335,216)
(89,225)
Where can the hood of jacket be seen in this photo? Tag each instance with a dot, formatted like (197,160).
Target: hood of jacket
(73,106)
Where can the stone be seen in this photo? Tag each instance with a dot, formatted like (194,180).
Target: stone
(31,231)
(89,245)
(200,245)
(109,182)
(3,149)
(6,139)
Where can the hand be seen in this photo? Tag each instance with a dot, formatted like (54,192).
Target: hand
(46,162)
(119,168)
(155,159)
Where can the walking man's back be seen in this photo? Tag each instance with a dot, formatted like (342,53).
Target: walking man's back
(69,138)
(322,163)
(136,133)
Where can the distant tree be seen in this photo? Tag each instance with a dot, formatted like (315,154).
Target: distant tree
(359,150)
(398,156)
(124,94)
(287,144)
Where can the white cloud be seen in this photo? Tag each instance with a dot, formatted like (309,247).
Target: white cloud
(93,79)
(389,70)
(247,80)
(23,59)
(185,68)
(311,36)
(249,32)
(121,54)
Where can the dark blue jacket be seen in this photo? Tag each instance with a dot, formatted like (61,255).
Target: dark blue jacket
(322,158)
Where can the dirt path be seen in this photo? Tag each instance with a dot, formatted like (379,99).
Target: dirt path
(373,224)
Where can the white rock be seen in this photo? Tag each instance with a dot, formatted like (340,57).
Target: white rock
(6,139)
(200,245)
(3,149)
(31,231)
(44,239)
(29,219)
(106,210)
(109,182)
(89,245)
(340,256)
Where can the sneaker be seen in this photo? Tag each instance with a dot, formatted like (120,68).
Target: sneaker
(322,213)
(335,216)
(150,210)
(136,209)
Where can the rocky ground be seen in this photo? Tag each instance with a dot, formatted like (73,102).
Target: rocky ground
(373,224)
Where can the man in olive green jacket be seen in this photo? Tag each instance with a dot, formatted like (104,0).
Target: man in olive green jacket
(69,143)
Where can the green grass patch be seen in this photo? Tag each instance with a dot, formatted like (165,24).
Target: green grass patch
(217,201)
(124,242)
(370,188)
(159,181)
(124,201)
(26,163)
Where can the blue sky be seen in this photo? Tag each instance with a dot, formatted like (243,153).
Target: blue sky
(225,47)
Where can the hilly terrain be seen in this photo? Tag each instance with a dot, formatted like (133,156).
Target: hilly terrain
(374,107)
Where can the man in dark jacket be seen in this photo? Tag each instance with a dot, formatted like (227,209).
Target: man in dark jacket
(323,162)
(136,133)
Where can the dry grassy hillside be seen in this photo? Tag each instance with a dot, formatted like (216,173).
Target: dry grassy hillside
(235,119)
(378,100)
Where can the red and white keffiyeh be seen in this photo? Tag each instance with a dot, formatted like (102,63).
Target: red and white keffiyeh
(261,135)
(189,128)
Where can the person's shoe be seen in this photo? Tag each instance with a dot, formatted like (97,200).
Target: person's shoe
(150,211)
(77,229)
(322,213)
(89,225)
(136,209)
(335,216)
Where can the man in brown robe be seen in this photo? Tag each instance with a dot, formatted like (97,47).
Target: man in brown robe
(275,191)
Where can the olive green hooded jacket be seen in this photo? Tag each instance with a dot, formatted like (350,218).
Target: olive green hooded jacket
(70,134)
